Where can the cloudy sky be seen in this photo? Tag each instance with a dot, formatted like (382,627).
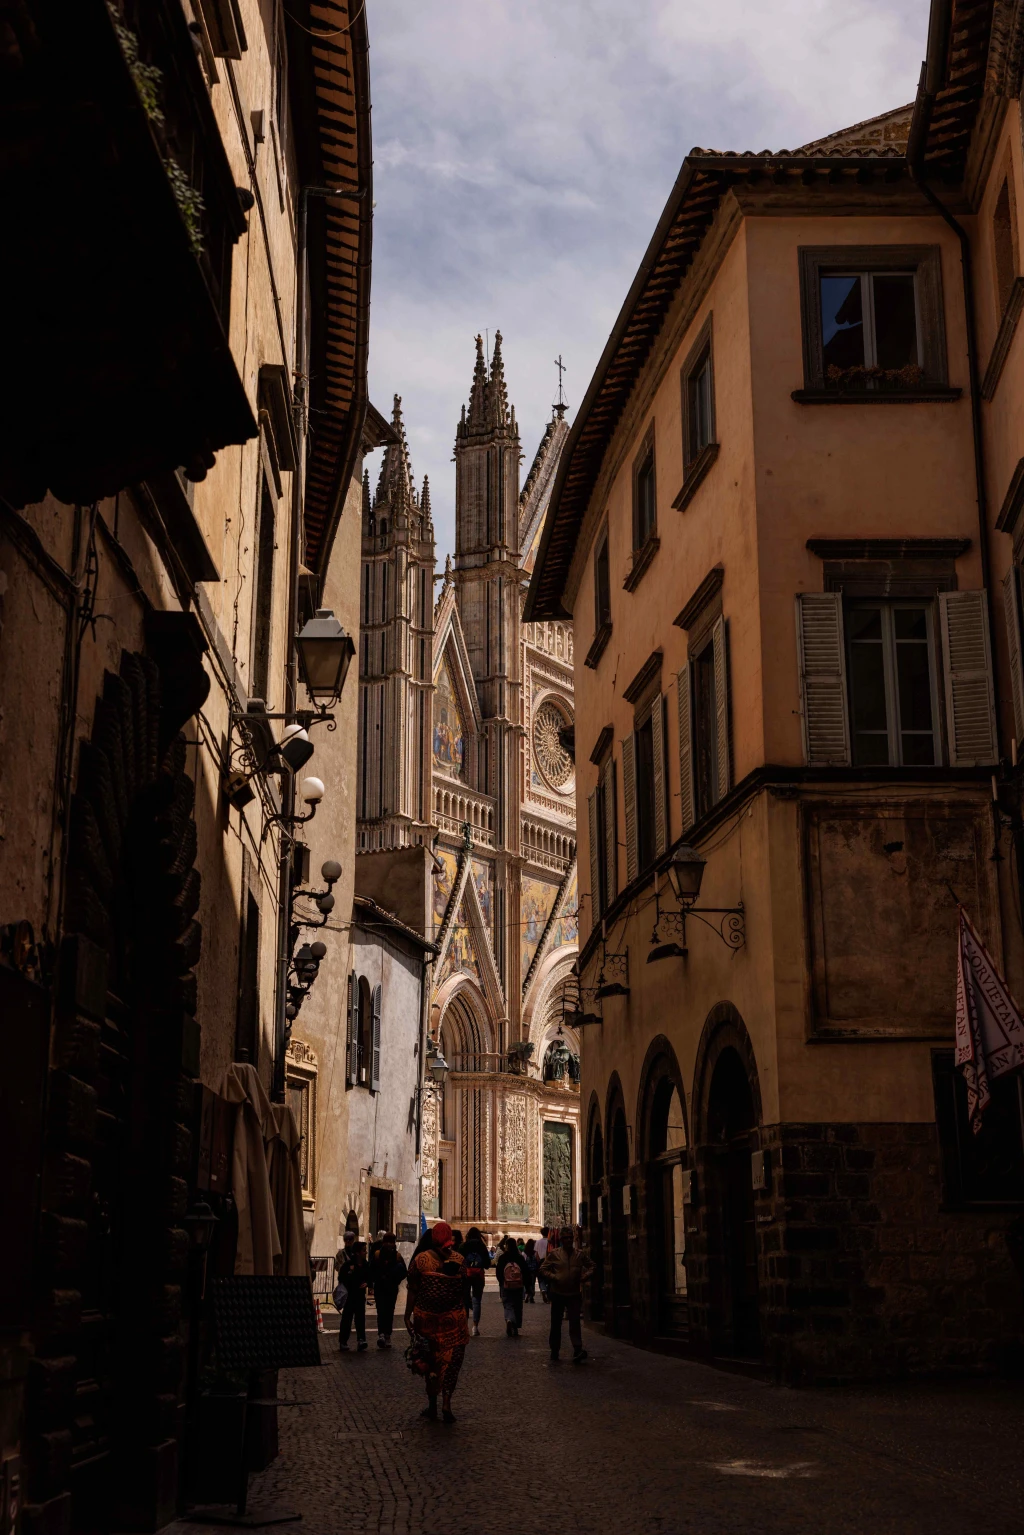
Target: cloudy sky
(523,150)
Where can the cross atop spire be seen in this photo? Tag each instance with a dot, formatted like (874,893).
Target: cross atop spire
(395,486)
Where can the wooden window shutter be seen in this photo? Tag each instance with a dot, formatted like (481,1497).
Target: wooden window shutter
(629,794)
(352,1035)
(375,1043)
(611,843)
(1011,605)
(723,742)
(660,776)
(970,705)
(595,832)
(685,748)
(823,706)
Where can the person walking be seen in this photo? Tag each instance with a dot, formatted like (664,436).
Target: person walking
(566,1268)
(477,1260)
(387,1271)
(540,1248)
(353,1272)
(509,1269)
(530,1267)
(435,1309)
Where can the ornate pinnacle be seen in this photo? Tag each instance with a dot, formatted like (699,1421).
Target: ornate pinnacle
(395,486)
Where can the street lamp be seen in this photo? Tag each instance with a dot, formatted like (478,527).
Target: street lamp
(437,1066)
(686,870)
(325,651)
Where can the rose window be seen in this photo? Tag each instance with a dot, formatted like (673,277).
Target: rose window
(552,758)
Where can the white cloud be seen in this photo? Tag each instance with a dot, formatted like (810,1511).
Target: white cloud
(523,152)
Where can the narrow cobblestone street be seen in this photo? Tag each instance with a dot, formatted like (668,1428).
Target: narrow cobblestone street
(634,1441)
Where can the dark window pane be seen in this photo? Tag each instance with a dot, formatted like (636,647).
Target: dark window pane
(867,686)
(910,623)
(645,503)
(704,729)
(871,750)
(918,750)
(842,322)
(865,624)
(895,321)
(914,683)
(700,407)
(602,586)
(645,795)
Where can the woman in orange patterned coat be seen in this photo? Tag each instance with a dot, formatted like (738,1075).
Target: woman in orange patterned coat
(436,1310)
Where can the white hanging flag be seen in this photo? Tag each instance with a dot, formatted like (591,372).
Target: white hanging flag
(989,1027)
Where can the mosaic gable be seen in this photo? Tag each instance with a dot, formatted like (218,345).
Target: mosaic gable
(449,737)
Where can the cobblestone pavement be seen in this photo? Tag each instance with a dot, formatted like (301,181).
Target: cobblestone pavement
(633,1442)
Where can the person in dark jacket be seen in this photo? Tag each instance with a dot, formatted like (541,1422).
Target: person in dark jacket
(530,1267)
(353,1272)
(387,1272)
(477,1262)
(511,1285)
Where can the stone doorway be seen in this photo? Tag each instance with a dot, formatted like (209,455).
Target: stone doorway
(557,1174)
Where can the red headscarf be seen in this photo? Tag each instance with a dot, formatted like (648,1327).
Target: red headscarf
(441,1234)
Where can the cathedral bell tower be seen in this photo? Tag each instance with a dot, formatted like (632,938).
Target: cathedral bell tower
(486,572)
(395,654)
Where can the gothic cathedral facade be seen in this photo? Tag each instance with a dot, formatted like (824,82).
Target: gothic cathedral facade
(466,754)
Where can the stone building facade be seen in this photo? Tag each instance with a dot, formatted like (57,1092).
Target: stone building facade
(467,811)
(788,526)
(192,331)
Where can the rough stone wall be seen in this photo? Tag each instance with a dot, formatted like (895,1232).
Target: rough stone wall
(861,1270)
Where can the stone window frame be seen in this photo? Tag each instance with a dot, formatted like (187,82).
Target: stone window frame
(696,465)
(926,263)
(301,1067)
(643,552)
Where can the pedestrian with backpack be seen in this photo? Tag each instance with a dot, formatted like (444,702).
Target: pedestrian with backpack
(353,1273)
(476,1262)
(387,1272)
(511,1285)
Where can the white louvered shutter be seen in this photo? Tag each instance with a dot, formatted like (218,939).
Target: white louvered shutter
(352,1033)
(685,748)
(375,1043)
(611,841)
(1011,607)
(595,831)
(970,705)
(723,743)
(660,776)
(629,796)
(826,721)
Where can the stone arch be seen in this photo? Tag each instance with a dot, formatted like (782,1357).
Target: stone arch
(463,1026)
(724,1029)
(660,1075)
(617,1148)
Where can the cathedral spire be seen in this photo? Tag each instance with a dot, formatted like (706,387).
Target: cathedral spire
(395,487)
(497,394)
(367,504)
(477,415)
(425,499)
